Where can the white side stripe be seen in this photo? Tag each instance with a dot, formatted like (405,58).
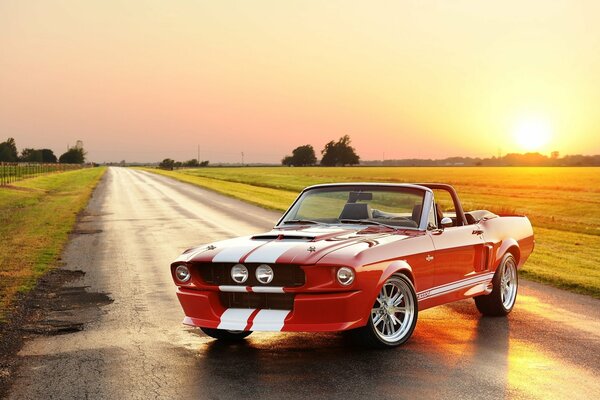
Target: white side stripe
(459,284)
(269,320)
(455,286)
(235,318)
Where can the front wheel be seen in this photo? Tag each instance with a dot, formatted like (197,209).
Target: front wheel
(393,316)
(225,335)
(501,300)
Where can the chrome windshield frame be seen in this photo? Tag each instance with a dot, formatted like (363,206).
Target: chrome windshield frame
(427,199)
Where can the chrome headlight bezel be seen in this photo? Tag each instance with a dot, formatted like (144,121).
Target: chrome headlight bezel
(240,271)
(345,276)
(182,273)
(264,274)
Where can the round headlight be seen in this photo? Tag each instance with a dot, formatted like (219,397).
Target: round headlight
(264,274)
(239,273)
(345,276)
(182,273)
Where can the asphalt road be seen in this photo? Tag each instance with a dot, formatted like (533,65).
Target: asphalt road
(136,347)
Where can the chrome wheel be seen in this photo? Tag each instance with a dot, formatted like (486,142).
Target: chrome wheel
(508,284)
(393,313)
(505,283)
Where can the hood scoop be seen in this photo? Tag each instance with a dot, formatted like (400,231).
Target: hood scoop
(284,237)
(312,234)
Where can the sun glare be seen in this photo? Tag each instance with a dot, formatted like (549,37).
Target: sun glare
(532,134)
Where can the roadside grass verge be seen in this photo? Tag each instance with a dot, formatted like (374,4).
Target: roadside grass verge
(36,216)
(562,203)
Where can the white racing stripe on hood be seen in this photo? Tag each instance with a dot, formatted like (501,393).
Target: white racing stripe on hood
(235,253)
(235,319)
(270,252)
(269,320)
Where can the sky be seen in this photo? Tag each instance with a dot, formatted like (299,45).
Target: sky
(147,80)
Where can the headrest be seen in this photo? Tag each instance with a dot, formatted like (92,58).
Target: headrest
(356,211)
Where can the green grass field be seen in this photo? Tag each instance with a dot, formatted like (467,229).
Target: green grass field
(36,216)
(562,203)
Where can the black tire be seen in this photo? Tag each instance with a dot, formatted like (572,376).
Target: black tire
(225,335)
(496,304)
(371,336)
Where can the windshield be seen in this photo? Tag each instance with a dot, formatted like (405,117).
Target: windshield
(373,205)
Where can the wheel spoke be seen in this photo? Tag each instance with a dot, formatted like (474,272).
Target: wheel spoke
(377,319)
(390,326)
(398,300)
(396,320)
(388,291)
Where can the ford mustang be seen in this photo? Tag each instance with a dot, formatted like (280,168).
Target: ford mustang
(359,257)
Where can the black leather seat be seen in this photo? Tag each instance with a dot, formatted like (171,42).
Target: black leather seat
(356,211)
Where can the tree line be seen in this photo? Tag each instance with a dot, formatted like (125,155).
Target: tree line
(9,153)
(508,160)
(170,164)
(334,153)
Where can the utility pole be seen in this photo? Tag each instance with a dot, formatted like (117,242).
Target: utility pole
(198,154)
(242,158)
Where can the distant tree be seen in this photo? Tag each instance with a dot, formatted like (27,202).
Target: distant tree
(35,155)
(31,155)
(339,153)
(301,156)
(167,163)
(48,156)
(75,155)
(8,151)
(287,161)
(191,163)
(203,163)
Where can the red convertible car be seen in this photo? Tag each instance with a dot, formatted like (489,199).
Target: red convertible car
(358,257)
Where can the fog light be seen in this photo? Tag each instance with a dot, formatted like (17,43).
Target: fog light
(264,274)
(239,273)
(182,273)
(345,276)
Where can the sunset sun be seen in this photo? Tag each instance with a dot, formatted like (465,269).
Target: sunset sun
(532,134)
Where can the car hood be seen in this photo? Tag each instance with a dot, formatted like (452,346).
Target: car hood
(299,245)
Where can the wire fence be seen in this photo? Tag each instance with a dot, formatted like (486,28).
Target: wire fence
(12,172)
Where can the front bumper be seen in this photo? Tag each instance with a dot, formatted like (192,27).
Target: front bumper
(311,312)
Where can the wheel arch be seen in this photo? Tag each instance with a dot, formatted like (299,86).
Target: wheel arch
(508,246)
(398,266)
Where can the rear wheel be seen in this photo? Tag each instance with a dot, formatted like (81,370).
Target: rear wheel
(393,316)
(504,290)
(225,335)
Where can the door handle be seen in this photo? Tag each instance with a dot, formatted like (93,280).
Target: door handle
(477,232)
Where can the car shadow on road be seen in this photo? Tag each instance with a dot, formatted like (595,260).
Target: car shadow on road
(442,359)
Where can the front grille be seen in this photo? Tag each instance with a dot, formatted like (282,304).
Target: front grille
(220,274)
(273,301)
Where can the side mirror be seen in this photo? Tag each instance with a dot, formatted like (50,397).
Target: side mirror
(446,222)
